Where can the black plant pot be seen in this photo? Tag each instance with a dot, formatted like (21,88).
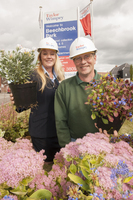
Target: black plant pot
(111,126)
(25,95)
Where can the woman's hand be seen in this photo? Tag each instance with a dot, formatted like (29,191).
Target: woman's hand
(12,98)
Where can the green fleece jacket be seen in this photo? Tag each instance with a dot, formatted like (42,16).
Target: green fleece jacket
(73,116)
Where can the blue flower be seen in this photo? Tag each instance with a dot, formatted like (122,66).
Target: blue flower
(119,102)
(101,103)
(130,114)
(131,119)
(80,185)
(114,79)
(123,101)
(100,196)
(92,168)
(7,197)
(122,169)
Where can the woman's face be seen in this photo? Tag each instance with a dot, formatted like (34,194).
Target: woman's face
(48,58)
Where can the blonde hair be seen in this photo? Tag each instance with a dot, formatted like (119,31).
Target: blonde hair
(57,68)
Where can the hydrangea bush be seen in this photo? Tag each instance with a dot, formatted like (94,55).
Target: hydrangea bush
(19,164)
(87,169)
(90,168)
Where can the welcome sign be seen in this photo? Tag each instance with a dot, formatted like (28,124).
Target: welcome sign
(62,27)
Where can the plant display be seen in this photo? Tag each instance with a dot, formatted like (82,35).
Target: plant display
(16,65)
(111,98)
(12,124)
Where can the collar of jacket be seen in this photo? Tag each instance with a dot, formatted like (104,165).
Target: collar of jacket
(79,81)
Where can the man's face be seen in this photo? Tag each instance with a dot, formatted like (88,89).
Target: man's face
(85,63)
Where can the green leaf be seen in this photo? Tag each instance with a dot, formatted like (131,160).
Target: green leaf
(77,179)
(3,192)
(84,165)
(126,180)
(73,168)
(68,159)
(17,191)
(25,181)
(93,116)
(41,194)
(86,174)
(89,197)
(105,121)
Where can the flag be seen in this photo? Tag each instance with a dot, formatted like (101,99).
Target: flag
(85,19)
(40,19)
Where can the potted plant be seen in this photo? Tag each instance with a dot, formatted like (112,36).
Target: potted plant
(111,101)
(16,66)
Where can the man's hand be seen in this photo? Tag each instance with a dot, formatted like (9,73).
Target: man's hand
(105,131)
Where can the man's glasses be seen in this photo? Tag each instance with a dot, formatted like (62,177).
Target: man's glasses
(87,57)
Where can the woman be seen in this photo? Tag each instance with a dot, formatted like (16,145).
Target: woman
(42,119)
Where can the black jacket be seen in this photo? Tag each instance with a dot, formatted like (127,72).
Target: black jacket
(42,118)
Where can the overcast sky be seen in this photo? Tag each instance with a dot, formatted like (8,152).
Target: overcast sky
(112,27)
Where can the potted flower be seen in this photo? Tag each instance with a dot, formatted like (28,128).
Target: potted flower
(111,101)
(16,67)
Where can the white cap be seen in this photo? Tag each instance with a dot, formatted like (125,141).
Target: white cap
(81,45)
(48,43)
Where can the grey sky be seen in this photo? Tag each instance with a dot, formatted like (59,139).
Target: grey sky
(112,26)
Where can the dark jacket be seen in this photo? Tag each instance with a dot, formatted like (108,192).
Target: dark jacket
(42,118)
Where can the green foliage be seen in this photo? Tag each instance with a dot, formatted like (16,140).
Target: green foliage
(22,191)
(18,130)
(16,65)
(86,166)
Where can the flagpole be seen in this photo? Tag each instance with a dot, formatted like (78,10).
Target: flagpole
(92,36)
(78,14)
(42,25)
(41,22)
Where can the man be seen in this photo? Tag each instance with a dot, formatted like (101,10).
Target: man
(73,116)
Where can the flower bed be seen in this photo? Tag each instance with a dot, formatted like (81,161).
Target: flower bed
(89,168)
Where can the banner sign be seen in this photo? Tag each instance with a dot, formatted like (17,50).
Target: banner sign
(62,27)
(85,19)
